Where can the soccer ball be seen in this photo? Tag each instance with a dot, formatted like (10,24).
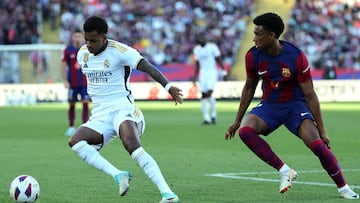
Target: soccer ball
(25,189)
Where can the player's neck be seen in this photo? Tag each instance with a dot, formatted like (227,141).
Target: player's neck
(102,48)
(275,49)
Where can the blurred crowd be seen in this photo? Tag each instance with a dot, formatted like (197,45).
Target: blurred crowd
(328,31)
(164,30)
(19,22)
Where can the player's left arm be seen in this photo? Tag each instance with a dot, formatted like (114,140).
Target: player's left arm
(224,73)
(151,70)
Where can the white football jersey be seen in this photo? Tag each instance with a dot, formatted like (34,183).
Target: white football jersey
(108,73)
(206,57)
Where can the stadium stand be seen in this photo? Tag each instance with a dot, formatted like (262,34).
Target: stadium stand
(328,31)
(164,31)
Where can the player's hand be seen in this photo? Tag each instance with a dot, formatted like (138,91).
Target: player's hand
(176,94)
(224,75)
(66,84)
(230,133)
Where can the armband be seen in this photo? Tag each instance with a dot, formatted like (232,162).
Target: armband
(168,86)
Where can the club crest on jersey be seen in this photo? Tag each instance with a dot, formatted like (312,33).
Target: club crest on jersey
(285,72)
(106,63)
(86,57)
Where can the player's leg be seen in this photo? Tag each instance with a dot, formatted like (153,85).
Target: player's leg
(310,135)
(71,111)
(212,101)
(204,101)
(83,143)
(85,98)
(129,135)
(213,111)
(86,142)
(249,132)
(205,108)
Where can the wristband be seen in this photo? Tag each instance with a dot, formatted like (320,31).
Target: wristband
(167,86)
(223,73)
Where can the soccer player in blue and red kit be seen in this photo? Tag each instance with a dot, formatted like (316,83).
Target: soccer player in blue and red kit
(74,80)
(288,98)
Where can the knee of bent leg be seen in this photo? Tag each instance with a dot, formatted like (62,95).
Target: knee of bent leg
(246,132)
(72,141)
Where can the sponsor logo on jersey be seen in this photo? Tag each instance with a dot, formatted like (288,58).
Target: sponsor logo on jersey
(274,84)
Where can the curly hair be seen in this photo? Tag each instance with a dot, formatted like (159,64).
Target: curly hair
(271,22)
(96,23)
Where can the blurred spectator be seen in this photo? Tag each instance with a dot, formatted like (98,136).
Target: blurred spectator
(329,71)
(163,29)
(19,22)
(327,30)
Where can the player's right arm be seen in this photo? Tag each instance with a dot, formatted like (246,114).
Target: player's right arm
(151,70)
(247,95)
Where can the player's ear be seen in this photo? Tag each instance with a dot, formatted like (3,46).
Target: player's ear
(272,35)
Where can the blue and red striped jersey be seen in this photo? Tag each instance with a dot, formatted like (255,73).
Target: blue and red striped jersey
(74,75)
(281,74)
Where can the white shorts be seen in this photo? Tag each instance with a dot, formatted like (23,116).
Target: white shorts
(108,126)
(207,82)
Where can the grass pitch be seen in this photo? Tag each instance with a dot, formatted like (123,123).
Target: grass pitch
(199,165)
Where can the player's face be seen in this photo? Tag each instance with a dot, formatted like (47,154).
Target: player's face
(262,38)
(94,41)
(77,39)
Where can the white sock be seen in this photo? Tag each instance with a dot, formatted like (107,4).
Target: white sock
(213,107)
(91,156)
(151,169)
(284,169)
(205,109)
(345,187)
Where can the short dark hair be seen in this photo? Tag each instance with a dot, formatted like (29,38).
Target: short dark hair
(96,23)
(271,22)
(76,30)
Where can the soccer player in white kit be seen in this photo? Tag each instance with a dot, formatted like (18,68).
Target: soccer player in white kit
(207,55)
(107,65)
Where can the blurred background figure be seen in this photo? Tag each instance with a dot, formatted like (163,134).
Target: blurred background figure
(74,80)
(207,55)
(329,70)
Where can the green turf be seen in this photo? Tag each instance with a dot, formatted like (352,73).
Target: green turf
(32,142)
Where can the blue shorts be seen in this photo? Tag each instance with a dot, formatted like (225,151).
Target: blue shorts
(291,114)
(78,94)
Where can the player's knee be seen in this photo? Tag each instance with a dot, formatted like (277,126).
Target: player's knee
(72,142)
(246,133)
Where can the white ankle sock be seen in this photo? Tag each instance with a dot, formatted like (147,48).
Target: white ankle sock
(151,169)
(205,109)
(213,107)
(91,156)
(344,188)
(284,169)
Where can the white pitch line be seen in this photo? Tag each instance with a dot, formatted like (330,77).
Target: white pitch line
(242,177)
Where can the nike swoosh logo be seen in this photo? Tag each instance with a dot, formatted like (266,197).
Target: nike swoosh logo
(262,72)
(306,69)
(303,114)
